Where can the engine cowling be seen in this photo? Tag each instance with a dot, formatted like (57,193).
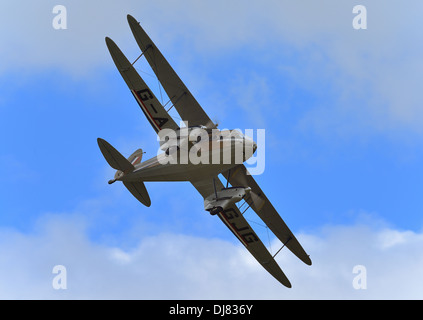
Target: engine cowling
(221,200)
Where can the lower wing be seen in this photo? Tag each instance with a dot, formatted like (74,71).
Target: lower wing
(258,201)
(235,222)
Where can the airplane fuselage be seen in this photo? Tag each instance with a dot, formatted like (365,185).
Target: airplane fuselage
(186,160)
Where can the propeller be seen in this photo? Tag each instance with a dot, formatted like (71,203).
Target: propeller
(238,177)
(212,124)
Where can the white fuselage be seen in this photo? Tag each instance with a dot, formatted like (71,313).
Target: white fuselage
(188,160)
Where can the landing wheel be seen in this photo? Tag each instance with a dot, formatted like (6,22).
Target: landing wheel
(216,210)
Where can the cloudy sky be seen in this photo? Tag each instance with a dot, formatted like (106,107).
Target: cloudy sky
(343,115)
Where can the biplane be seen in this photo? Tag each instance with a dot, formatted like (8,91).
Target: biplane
(198,135)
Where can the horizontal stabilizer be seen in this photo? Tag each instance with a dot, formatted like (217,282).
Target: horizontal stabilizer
(113,157)
(139,191)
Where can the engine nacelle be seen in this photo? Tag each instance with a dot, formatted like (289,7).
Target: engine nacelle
(224,199)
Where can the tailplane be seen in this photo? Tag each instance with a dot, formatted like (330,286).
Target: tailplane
(138,190)
(114,158)
(125,166)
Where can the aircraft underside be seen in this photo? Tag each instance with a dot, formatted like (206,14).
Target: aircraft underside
(194,158)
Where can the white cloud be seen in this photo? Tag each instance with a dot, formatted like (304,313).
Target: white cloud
(29,41)
(176,266)
(374,74)
(378,68)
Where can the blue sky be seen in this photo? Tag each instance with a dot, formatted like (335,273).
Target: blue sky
(342,113)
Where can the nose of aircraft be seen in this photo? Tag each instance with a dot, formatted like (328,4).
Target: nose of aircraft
(250,143)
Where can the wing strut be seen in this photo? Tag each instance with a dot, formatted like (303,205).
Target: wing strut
(214,186)
(248,205)
(282,247)
(229,176)
(142,53)
(176,101)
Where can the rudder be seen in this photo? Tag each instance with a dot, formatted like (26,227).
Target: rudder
(136,157)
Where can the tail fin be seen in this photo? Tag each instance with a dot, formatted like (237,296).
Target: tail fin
(119,162)
(136,157)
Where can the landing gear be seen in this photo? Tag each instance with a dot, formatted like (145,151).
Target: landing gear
(215,210)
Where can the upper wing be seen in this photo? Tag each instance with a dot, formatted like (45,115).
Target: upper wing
(149,104)
(184,102)
(234,220)
(261,205)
